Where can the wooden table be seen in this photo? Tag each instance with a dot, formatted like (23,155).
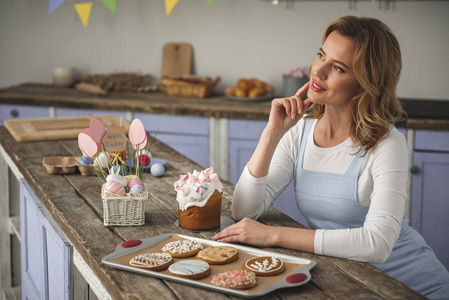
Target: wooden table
(75,204)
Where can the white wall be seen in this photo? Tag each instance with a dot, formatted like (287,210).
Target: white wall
(231,38)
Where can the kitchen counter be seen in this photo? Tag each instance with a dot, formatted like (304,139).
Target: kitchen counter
(74,203)
(422,114)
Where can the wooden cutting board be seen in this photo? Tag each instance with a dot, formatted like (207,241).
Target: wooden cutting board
(176,59)
(63,128)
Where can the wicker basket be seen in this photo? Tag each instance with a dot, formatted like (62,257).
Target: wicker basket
(189,86)
(124,211)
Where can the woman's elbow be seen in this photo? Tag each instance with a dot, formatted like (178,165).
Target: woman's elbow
(379,254)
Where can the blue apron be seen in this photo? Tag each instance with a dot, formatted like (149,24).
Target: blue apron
(330,201)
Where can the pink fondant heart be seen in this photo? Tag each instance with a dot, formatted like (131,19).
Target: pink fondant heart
(87,145)
(97,130)
(137,133)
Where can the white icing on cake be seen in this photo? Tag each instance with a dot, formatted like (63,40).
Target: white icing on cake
(195,189)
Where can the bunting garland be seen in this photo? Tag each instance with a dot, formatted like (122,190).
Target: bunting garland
(84,9)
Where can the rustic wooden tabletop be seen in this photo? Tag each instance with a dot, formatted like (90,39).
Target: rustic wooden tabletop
(75,204)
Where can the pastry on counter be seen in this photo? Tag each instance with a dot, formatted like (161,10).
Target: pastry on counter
(236,279)
(250,87)
(218,255)
(182,248)
(199,196)
(191,268)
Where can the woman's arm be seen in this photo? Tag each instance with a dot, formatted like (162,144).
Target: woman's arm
(254,233)
(256,189)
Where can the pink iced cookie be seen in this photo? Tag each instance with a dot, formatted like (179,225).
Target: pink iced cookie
(237,279)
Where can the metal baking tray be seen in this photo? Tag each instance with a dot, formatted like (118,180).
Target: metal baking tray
(297,269)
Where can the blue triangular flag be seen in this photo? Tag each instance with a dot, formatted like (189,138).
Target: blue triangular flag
(54,4)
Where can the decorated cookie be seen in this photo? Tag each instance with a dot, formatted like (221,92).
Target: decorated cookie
(265,266)
(237,279)
(182,248)
(152,261)
(218,255)
(191,268)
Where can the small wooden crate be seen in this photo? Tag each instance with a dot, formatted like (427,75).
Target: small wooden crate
(189,86)
(124,211)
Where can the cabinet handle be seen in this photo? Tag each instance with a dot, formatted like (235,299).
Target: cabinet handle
(415,170)
(14,113)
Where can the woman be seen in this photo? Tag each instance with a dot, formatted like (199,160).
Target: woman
(348,163)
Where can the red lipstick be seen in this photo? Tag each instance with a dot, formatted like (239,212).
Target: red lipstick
(316,87)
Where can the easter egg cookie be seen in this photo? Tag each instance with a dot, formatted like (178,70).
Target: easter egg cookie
(191,268)
(237,280)
(218,255)
(265,266)
(182,248)
(152,261)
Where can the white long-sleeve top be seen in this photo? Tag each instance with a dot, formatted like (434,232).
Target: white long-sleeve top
(382,186)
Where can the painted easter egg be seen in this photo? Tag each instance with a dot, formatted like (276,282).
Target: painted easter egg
(102,160)
(114,187)
(157,170)
(85,160)
(135,181)
(118,178)
(117,170)
(136,189)
(144,159)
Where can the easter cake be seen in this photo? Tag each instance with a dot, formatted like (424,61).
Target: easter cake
(199,196)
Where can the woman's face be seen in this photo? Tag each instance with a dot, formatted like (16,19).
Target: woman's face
(332,78)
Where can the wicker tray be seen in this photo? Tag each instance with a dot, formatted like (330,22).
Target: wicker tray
(189,86)
(124,211)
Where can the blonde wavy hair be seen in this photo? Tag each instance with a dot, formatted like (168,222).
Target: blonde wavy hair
(377,67)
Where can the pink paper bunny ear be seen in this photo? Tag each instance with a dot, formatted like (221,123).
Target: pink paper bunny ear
(143,144)
(87,131)
(97,130)
(137,133)
(87,145)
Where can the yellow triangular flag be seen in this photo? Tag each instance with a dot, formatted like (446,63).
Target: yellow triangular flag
(83,10)
(169,5)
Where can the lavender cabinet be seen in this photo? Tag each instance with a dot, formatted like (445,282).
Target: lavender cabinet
(187,135)
(8,111)
(46,257)
(243,138)
(430,190)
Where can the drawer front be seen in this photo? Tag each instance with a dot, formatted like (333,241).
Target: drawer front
(72,112)
(430,140)
(21,112)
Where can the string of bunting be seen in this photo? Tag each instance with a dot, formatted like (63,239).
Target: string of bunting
(84,9)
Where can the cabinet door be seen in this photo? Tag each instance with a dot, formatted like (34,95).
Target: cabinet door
(430,201)
(8,111)
(45,252)
(244,136)
(187,135)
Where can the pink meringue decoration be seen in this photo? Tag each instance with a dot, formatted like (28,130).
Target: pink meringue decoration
(135,181)
(114,187)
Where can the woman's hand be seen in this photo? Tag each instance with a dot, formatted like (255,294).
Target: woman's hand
(248,231)
(286,112)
